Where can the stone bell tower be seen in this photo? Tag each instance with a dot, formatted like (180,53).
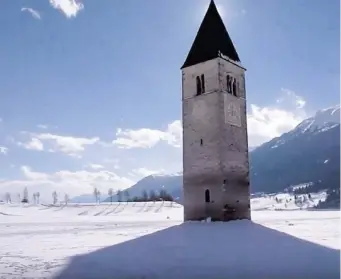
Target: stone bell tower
(215,145)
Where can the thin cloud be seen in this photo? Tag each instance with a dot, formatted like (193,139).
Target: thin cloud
(268,122)
(147,138)
(72,146)
(33,12)
(3,150)
(96,166)
(42,126)
(143,172)
(70,8)
(33,144)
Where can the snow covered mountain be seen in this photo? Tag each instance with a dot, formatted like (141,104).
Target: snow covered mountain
(308,153)
(322,121)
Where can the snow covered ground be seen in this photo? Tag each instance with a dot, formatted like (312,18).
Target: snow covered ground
(149,240)
(286,201)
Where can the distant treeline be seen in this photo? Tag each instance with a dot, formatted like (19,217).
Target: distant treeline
(319,186)
(332,200)
(333,193)
(162,195)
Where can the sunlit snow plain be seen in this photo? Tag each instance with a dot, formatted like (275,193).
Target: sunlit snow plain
(150,240)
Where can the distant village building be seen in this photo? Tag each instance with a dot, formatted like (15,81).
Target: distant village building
(215,146)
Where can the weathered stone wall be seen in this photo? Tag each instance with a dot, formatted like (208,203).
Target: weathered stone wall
(214,152)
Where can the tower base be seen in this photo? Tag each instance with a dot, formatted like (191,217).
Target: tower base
(216,215)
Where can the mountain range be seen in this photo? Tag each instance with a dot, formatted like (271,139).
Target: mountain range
(310,153)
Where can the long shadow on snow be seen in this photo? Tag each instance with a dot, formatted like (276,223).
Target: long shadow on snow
(112,211)
(141,208)
(121,209)
(46,206)
(60,207)
(102,211)
(240,249)
(149,207)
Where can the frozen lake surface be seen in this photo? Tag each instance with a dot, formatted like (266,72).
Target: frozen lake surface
(147,240)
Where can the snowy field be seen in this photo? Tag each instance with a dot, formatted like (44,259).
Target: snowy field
(147,240)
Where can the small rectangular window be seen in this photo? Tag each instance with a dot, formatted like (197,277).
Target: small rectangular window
(199,88)
(228,84)
(203,83)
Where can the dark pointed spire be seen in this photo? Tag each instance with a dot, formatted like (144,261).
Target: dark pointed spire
(211,38)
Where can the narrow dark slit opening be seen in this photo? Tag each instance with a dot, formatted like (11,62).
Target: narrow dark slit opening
(207,196)
(199,89)
(203,83)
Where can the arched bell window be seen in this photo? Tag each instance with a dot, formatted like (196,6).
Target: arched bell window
(232,85)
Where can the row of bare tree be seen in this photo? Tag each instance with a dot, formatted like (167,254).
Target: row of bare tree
(161,195)
(55,198)
(35,197)
(120,194)
(151,196)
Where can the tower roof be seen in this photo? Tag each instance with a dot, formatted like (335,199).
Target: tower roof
(211,38)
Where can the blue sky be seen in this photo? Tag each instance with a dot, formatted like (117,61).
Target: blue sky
(91,90)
